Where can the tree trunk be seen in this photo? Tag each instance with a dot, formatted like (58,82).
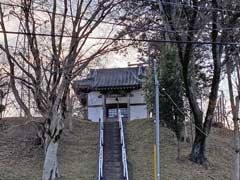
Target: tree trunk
(178,149)
(236,154)
(53,130)
(198,149)
(16,94)
(191,127)
(235,109)
(50,168)
(70,102)
(184,133)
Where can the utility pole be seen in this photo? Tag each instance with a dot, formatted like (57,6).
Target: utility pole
(157,106)
(157,124)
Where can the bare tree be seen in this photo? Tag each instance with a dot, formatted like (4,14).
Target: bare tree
(197,28)
(58,49)
(233,68)
(194,23)
(3,89)
(235,109)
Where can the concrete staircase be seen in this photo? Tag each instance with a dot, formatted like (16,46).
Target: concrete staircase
(112,152)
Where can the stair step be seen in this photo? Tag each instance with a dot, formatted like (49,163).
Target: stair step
(111,160)
(115,138)
(114,168)
(112,149)
(112,155)
(112,152)
(111,135)
(113,164)
(112,141)
(112,130)
(112,144)
(112,176)
(110,126)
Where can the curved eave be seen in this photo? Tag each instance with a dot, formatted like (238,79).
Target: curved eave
(117,88)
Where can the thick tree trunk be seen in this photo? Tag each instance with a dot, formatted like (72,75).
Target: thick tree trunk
(236,174)
(53,129)
(69,108)
(235,109)
(50,168)
(198,149)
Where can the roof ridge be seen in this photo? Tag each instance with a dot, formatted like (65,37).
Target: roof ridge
(115,68)
(113,78)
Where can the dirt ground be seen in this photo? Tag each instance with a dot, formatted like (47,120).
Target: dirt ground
(140,139)
(21,158)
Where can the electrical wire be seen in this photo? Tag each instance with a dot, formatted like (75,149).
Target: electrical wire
(163,2)
(175,104)
(202,7)
(184,114)
(59,14)
(125,39)
(125,25)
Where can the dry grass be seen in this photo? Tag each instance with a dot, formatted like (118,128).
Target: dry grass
(21,159)
(140,139)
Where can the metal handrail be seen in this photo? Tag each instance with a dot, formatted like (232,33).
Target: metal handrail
(101,143)
(124,153)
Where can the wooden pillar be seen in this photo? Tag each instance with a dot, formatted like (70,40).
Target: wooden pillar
(104,108)
(129,111)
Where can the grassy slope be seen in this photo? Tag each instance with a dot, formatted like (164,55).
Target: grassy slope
(20,159)
(140,138)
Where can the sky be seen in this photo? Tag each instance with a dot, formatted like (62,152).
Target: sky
(110,60)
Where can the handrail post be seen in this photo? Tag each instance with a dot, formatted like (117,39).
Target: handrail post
(124,153)
(101,142)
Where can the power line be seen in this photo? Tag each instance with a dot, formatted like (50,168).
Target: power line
(174,103)
(202,7)
(125,25)
(163,2)
(184,114)
(125,39)
(59,14)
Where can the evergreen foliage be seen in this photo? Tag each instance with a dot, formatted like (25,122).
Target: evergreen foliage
(171,90)
(2,108)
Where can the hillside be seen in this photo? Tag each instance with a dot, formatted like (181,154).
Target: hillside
(22,159)
(140,138)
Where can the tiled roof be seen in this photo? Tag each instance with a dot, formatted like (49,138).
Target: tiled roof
(111,78)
